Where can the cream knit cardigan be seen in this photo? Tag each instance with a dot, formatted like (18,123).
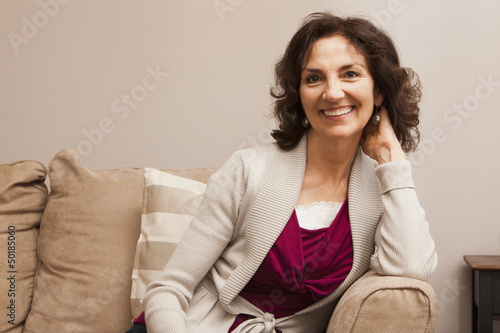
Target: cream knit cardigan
(246,205)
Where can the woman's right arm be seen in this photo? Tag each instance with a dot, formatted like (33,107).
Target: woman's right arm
(167,299)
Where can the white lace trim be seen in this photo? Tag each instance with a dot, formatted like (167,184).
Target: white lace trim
(317,215)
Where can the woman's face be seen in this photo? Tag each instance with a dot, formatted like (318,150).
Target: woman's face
(337,91)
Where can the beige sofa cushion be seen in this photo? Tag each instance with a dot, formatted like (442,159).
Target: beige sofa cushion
(169,204)
(23,195)
(87,242)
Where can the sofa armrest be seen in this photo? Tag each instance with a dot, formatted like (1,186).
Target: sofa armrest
(387,304)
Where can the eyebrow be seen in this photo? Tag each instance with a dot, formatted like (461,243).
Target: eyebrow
(342,68)
(312,70)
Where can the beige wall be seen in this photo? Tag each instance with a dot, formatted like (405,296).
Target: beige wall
(182,84)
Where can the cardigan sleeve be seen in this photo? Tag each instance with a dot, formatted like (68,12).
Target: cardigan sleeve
(403,244)
(166,300)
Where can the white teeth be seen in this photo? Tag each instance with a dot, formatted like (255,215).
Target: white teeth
(338,112)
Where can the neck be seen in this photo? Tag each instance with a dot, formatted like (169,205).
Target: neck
(331,160)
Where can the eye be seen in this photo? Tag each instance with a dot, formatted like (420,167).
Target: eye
(312,79)
(351,74)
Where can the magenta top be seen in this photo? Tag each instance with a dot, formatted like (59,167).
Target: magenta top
(301,267)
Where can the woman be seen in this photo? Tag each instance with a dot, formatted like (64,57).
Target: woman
(286,228)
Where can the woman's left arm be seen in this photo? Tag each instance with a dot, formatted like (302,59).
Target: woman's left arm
(403,244)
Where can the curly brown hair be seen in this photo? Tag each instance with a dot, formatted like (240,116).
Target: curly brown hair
(400,86)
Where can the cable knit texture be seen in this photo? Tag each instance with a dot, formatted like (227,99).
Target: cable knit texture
(246,206)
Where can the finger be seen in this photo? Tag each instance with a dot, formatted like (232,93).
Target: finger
(385,126)
(384,115)
(386,129)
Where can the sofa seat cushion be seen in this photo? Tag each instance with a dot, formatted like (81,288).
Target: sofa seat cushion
(23,195)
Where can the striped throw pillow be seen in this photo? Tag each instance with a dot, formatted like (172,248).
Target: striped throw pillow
(169,204)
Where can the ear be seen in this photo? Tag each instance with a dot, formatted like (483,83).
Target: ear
(378,97)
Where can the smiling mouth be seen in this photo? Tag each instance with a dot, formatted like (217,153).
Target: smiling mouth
(338,112)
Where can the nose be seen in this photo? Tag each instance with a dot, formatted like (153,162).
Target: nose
(333,90)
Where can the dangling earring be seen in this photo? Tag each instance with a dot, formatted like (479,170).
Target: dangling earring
(305,122)
(376,115)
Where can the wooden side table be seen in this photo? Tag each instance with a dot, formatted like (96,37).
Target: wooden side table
(485,291)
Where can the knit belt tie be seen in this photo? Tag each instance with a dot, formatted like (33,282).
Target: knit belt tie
(264,324)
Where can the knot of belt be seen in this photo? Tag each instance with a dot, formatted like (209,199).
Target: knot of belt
(269,322)
(265,324)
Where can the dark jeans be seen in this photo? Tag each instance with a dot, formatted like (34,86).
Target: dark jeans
(137,328)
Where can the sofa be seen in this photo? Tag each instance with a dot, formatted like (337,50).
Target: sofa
(77,257)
